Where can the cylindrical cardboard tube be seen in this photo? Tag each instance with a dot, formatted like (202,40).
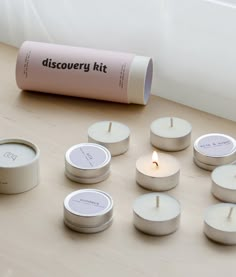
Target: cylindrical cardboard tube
(84,72)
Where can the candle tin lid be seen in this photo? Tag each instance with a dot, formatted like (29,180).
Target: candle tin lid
(87,163)
(19,165)
(111,134)
(212,150)
(88,210)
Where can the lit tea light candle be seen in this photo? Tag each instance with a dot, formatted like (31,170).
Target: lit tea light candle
(158,172)
(111,134)
(156,214)
(224,183)
(170,133)
(87,163)
(212,150)
(220,223)
(19,165)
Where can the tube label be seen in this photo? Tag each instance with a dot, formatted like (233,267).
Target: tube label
(74,71)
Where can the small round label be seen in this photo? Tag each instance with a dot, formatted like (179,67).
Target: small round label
(88,156)
(216,145)
(89,203)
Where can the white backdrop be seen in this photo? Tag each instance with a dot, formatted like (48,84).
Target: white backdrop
(192,42)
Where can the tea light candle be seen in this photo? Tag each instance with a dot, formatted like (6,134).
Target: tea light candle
(220,223)
(224,183)
(87,163)
(111,134)
(158,172)
(19,165)
(212,150)
(156,214)
(170,133)
(88,210)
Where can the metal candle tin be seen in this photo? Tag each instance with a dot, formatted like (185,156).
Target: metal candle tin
(170,133)
(19,165)
(88,210)
(113,135)
(156,214)
(87,163)
(224,183)
(220,223)
(212,150)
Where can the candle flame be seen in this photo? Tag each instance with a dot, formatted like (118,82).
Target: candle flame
(155,158)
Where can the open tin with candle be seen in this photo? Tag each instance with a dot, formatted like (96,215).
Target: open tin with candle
(212,150)
(157,172)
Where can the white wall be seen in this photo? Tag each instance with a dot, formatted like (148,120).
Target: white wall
(193,42)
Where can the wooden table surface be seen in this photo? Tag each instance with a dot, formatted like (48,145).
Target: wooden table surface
(33,238)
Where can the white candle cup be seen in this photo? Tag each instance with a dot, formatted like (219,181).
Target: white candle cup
(160,176)
(212,150)
(111,134)
(224,183)
(220,223)
(87,163)
(170,133)
(88,211)
(19,165)
(156,214)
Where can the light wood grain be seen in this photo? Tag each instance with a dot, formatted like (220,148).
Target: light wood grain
(33,238)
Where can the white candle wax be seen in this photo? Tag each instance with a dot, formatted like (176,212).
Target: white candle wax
(220,223)
(111,134)
(161,177)
(170,133)
(87,163)
(224,183)
(156,214)
(19,165)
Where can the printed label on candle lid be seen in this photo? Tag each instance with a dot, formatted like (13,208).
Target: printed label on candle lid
(89,203)
(216,145)
(88,156)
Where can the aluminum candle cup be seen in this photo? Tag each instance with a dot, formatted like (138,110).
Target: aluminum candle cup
(170,133)
(220,223)
(224,183)
(158,172)
(19,165)
(156,214)
(111,134)
(88,210)
(212,150)
(87,163)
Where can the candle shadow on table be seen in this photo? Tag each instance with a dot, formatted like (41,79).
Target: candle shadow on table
(221,249)
(152,239)
(37,101)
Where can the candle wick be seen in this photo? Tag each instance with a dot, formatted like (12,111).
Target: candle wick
(157,201)
(171,122)
(230,212)
(109,128)
(156,163)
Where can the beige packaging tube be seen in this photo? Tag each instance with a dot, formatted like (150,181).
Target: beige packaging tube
(83,72)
